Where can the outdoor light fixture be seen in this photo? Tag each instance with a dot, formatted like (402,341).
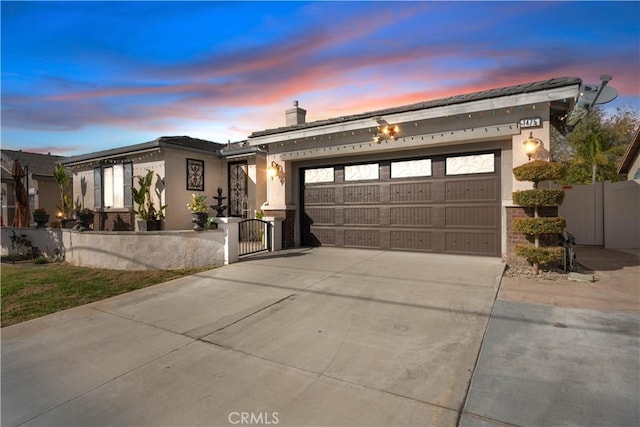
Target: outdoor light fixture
(386,131)
(531,145)
(275,170)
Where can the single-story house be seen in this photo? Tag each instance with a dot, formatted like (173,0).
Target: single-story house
(43,189)
(182,166)
(434,176)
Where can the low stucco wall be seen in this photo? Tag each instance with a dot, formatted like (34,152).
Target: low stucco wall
(127,250)
(47,240)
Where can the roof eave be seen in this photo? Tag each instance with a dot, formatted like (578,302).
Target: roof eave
(449,102)
(630,155)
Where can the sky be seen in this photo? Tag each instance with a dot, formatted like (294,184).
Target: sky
(80,77)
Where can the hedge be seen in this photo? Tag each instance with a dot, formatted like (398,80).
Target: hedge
(538,198)
(546,225)
(539,170)
(543,255)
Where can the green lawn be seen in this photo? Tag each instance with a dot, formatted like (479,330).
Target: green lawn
(29,290)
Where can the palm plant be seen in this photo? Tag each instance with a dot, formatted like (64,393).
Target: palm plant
(145,207)
(65,205)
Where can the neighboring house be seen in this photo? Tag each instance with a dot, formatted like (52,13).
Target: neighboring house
(182,166)
(43,190)
(442,183)
(630,165)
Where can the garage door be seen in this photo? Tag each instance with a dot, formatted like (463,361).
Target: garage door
(443,204)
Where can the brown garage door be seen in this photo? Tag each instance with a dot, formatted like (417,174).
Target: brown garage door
(444,204)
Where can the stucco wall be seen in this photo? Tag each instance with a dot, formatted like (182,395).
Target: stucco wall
(163,250)
(47,240)
(83,188)
(256,183)
(178,216)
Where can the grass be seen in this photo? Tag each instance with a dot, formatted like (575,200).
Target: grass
(33,290)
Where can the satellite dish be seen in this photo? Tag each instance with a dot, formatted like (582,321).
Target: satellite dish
(589,92)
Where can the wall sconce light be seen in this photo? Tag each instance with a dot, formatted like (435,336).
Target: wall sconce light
(385,131)
(275,170)
(531,145)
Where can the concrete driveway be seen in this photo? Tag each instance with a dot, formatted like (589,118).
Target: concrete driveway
(301,337)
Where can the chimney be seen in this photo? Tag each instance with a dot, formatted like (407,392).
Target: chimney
(296,115)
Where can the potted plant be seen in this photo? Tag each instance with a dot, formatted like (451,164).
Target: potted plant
(199,211)
(41,217)
(212,223)
(84,219)
(65,205)
(149,217)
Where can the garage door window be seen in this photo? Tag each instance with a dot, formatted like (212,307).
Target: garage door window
(313,176)
(465,165)
(411,168)
(362,172)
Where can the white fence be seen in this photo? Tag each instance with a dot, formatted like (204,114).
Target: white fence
(604,214)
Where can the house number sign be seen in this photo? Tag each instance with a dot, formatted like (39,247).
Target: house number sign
(531,122)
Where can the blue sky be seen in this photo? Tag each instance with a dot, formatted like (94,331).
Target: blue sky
(79,77)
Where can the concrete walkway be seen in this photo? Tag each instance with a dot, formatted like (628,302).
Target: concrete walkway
(316,337)
(563,353)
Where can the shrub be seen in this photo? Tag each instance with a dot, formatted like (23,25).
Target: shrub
(544,255)
(539,170)
(550,225)
(538,198)
(40,260)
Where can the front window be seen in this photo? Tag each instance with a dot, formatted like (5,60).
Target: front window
(112,186)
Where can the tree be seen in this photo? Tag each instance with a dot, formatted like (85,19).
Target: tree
(594,149)
(537,171)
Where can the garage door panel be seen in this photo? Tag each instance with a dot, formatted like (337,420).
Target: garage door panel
(359,194)
(413,240)
(321,216)
(468,242)
(410,215)
(319,195)
(410,192)
(361,216)
(472,216)
(477,189)
(324,236)
(362,238)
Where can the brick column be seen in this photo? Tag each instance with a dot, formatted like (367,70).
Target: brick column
(288,217)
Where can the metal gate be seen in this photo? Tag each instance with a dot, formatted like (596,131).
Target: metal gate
(255,236)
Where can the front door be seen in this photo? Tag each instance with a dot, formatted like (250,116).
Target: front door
(238,200)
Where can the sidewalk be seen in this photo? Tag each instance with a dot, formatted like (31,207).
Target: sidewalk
(562,352)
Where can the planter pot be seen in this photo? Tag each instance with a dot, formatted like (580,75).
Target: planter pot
(83,221)
(141,225)
(41,220)
(67,223)
(199,220)
(154,225)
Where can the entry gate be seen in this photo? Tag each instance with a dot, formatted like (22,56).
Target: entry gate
(255,236)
